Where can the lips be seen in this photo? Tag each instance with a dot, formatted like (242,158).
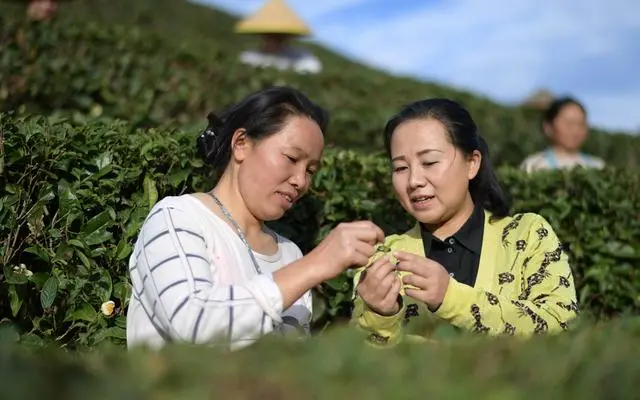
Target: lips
(421,198)
(290,197)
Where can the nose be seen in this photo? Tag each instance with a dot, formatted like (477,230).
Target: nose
(416,178)
(299,179)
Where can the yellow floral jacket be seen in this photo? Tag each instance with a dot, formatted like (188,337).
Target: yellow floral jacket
(524,286)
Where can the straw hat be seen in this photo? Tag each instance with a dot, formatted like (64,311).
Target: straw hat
(275,16)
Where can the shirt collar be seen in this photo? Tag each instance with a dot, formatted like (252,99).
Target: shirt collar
(469,235)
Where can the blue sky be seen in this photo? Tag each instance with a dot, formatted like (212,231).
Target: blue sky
(504,49)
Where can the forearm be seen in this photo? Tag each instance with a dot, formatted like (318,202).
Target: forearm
(295,279)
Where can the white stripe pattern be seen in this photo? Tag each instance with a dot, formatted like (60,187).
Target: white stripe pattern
(193,280)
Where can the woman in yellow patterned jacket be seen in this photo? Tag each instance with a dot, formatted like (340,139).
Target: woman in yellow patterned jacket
(467,261)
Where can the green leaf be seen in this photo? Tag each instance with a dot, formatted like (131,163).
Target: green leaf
(14,300)
(83,258)
(123,250)
(150,191)
(31,339)
(103,286)
(14,278)
(96,223)
(84,312)
(49,292)
(178,177)
(39,251)
(103,160)
(77,243)
(111,332)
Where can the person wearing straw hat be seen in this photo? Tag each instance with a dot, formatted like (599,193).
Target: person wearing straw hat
(277,23)
(41,10)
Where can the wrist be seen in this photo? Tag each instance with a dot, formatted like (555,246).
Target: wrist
(313,268)
(393,311)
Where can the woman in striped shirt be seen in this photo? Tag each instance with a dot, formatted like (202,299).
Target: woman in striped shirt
(205,268)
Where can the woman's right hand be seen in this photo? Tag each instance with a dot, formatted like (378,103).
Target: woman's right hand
(379,287)
(350,244)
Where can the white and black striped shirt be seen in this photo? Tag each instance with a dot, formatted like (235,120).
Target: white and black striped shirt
(193,280)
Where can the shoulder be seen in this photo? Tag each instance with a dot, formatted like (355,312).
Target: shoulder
(184,204)
(182,211)
(526,225)
(534,162)
(521,220)
(594,161)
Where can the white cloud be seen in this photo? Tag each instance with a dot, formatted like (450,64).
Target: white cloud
(502,48)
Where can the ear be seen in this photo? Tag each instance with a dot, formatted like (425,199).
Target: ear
(241,145)
(475,160)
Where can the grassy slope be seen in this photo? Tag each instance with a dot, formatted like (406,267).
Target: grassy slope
(360,98)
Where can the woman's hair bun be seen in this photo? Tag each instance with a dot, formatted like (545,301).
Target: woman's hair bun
(208,142)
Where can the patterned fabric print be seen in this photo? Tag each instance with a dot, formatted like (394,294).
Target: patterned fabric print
(509,329)
(478,327)
(521,245)
(541,324)
(411,311)
(492,298)
(573,306)
(541,274)
(505,277)
(495,301)
(510,227)
(542,233)
(377,339)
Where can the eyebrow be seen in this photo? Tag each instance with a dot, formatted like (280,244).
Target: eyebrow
(421,152)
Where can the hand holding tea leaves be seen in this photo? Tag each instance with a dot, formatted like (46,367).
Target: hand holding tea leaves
(430,279)
(347,245)
(379,287)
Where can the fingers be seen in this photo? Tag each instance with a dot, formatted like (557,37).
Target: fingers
(382,266)
(417,281)
(410,266)
(365,249)
(366,231)
(394,290)
(404,256)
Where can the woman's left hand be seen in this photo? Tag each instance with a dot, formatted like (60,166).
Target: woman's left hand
(429,278)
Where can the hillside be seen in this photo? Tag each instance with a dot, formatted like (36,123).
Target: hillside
(169,62)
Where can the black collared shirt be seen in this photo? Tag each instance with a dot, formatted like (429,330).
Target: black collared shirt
(460,253)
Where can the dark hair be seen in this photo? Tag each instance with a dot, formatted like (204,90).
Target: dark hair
(261,114)
(557,105)
(484,188)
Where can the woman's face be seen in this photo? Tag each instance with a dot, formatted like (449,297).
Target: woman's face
(569,129)
(275,172)
(430,175)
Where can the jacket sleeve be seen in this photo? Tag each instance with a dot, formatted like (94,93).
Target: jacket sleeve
(382,331)
(547,301)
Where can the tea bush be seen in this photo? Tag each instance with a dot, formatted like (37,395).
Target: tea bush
(593,362)
(73,197)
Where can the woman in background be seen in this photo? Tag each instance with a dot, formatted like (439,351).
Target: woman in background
(205,268)
(467,261)
(565,126)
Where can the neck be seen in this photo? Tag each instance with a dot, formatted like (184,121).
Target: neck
(227,192)
(452,225)
(562,151)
